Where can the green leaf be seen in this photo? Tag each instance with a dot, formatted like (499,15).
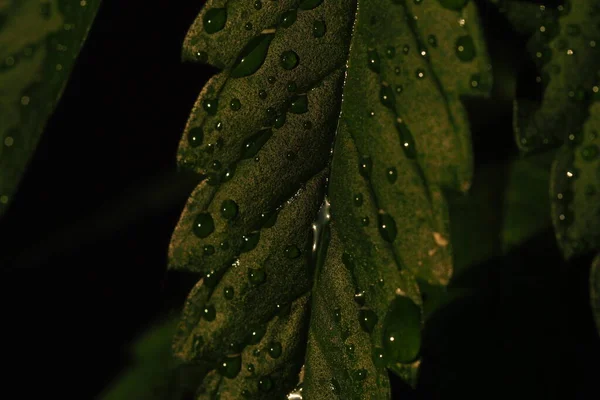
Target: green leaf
(566,48)
(39,42)
(262,133)
(595,290)
(575,190)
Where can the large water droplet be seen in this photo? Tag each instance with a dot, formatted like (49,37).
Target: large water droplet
(386,96)
(358,199)
(402,331)
(373,61)
(289,59)
(275,349)
(230,367)
(406,139)
(360,297)
(250,241)
(210,106)
(265,384)
(337,314)
(367,319)
(365,166)
(257,276)
(292,252)
(254,143)
(214,20)
(465,48)
(288,18)
(228,292)
(387,227)
(229,209)
(391,174)
(319,29)
(203,225)
(256,334)
(252,56)
(209,313)
(359,374)
(379,358)
(309,4)
(195,136)
(299,104)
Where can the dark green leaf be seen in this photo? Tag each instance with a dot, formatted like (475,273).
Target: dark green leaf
(39,41)
(268,122)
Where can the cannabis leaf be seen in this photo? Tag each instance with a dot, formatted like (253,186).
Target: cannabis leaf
(261,132)
(39,41)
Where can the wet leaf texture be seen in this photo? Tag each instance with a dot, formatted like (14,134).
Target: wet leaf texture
(382,78)
(39,41)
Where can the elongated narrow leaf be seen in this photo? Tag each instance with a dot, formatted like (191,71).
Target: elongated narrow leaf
(262,133)
(39,41)
(575,190)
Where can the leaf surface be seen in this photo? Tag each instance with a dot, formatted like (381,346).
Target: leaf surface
(297,75)
(39,42)
(595,290)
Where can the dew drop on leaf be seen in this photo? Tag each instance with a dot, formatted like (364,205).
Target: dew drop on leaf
(359,374)
(209,313)
(391,174)
(279,121)
(465,48)
(256,334)
(299,104)
(335,387)
(365,221)
(455,5)
(359,297)
(420,73)
(211,279)
(402,331)
(230,366)
(257,5)
(309,4)
(229,209)
(195,137)
(319,29)
(210,106)
(358,199)
(432,40)
(254,143)
(387,227)
(252,56)
(373,61)
(209,250)
(228,292)
(262,94)
(379,359)
(386,96)
(390,51)
(406,139)
(248,26)
(203,225)
(202,56)
(337,314)
(274,349)
(590,152)
(292,252)
(250,241)
(214,20)
(256,276)
(235,104)
(367,319)
(265,384)
(288,18)
(250,368)
(364,166)
(289,60)
(291,86)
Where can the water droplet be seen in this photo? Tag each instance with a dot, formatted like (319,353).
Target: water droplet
(211,279)
(219,125)
(250,241)
(359,374)
(195,137)
(335,387)
(373,61)
(291,86)
(265,384)
(228,292)
(252,56)
(250,368)
(256,276)
(230,367)
(262,94)
(275,349)
(455,5)
(292,251)
(420,73)
(337,314)
(391,174)
(360,297)
(358,199)
(590,152)
(299,104)
(390,51)
(365,221)
(399,89)
(254,143)
(309,4)
(288,18)
(386,96)
(474,81)
(290,155)
(235,104)
(209,313)
(406,49)
(406,140)
(402,330)
(203,225)
(319,29)
(289,60)
(256,334)
(210,106)
(229,209)
(257,5)
(214,20)
(379,358)
(364,166)
(307,125)
(202,56)
(432,40)
(248,26)
(367,319)
(209,250)
(465,48)
(387,227)
(348,262)
(271,79)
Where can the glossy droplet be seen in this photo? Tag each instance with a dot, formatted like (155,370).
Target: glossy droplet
(364,221)
(475,81)
(248,26)
(228,292)
(211,279)
(254,143)
(337,314)
(229,209)
(209,313)
(250,368)
(279,120)
(319,29)
(289,60)
(203,225)
(265,384)
(299,104)
(209,250)
(455,5)
(348,262)
(365,166)
(373,61)
(590,152)
(309,4)
(402,331)
(250,241)
(335,387)
(432,40)
(367,319)
(390,51)
(262,94)
(420,73)
(202,56)
(406,140)
(292,252)
(386,96)
(268,218)
(406,49)
(257,5)
(235,104)
(291,86)
(290,155)
(379,358)
(465,48)
(360,297)
(359,374)
(230,367)
(252,56)
(257,276)
(210,106)
(391,174)
(288,18)
(214,20)
(387,227)
(256,334)
(358,199)
(195,136)
(275,349)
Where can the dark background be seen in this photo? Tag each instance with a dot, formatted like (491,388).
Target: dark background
(84,243)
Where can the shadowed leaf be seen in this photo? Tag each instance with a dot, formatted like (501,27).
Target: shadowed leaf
(595,290)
